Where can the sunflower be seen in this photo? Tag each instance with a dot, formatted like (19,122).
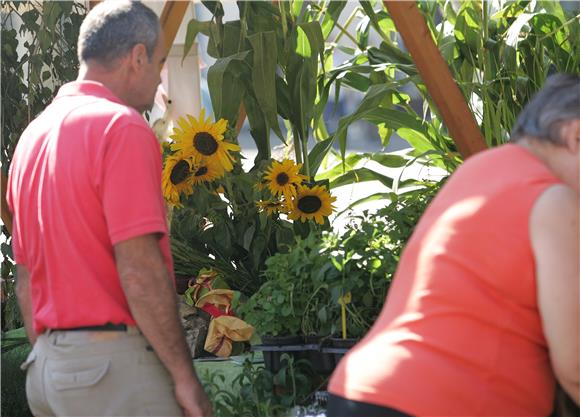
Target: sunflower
(177,177)
(203,139)
(205,171)
(271,206)
(311,203)
(283,177)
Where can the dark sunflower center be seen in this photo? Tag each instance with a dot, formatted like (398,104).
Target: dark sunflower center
(179,173)
(200,171)
(309,204)
(282,178)
(205,143)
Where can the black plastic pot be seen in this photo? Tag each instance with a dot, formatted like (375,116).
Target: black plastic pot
(273,347)
(339,347)
(322,362)
(282,340)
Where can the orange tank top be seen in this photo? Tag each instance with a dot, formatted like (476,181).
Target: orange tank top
(460,333)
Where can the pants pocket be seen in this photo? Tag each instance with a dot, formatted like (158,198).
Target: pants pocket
(78,374)
(30,359)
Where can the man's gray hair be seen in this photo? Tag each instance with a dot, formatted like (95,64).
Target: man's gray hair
(557,101)
(112,28)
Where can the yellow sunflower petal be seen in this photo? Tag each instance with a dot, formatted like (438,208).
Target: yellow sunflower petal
(283,178)
(204,140)
(311,203)
(176,178)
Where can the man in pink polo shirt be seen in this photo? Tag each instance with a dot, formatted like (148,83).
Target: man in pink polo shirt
(90,238)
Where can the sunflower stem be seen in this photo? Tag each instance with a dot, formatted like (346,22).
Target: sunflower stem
(297,145)
(282,7)
(306,162)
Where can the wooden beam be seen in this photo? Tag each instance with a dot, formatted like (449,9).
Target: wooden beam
(436,75)
(171,18)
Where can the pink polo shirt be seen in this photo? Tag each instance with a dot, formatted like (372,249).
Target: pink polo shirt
(86,175)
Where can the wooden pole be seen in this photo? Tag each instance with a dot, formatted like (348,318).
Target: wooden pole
(436,75)
(171,18)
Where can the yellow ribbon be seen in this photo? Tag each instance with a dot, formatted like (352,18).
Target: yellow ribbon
(223,331)
(343,301)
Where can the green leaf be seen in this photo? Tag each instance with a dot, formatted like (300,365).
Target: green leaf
(313,32)
(388,160)
(351,161)
(30,18)
(249,236)
(369,11)
(368,199)
(51,11)
(356,81)
(283,98)
(224,85)
(318,153)
(395,119)
(193,28)
(361,175)
(296,8)
(302,44)
(302,85)
(258,127)
(264,76)
(215,7)
(331,16)
(234,40)
(416,139)
(368,106)
(389,54)
(467,28)
(322,314)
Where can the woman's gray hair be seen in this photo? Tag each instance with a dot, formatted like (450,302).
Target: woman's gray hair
(557,101)
(113,27)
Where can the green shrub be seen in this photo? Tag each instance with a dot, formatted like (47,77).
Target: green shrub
(256,392)
(13,389)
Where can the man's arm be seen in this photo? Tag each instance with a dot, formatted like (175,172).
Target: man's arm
(24,300)
(153,303)
(554,232)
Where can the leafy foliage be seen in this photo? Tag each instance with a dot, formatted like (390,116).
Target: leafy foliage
(259,393)
(38,56)
(225,231)
(295,290)
(303,286)
(15,349)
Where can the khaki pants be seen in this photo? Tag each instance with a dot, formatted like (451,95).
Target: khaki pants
(100,373)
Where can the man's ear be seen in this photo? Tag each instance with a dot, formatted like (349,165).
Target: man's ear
(138,56)
(570,134)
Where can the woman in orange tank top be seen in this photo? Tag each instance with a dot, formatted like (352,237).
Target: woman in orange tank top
(482,318)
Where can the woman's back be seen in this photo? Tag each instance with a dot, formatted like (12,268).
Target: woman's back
(460,333)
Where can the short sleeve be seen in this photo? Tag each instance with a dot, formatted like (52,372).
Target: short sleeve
(131,184)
